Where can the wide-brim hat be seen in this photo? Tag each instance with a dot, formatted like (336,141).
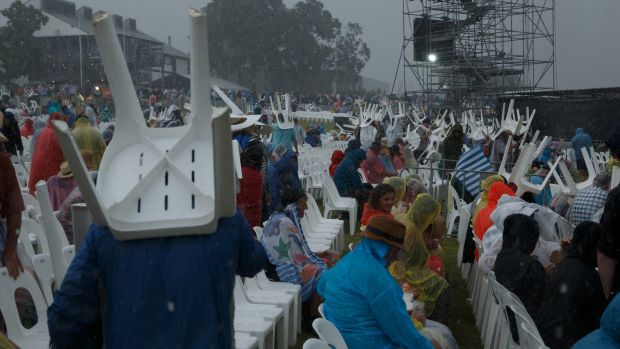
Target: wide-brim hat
(65,170)
(386,229)
(240,122)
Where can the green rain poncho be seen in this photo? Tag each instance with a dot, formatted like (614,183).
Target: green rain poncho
(413,268)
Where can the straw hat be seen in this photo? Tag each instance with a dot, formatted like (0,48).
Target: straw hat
(65,170)
(386,229)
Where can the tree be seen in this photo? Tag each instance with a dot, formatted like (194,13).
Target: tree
(21,51)
(350,55)
(262,44)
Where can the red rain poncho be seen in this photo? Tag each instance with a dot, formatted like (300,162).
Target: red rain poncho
(337,157)
(483,220)
(48,155)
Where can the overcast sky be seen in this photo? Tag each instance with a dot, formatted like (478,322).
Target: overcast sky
(587,33)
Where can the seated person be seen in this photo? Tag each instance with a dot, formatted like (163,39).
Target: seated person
(380,203)
(515,268)
(432,330)
(288,249)
(412,268)
(348,181)
(373,167)
(608,335)
(361,298)
(574,299)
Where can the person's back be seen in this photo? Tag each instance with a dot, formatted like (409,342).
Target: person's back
(284,136)
(580,140)
(89,138)
(173,292)
(608,336)
(590,199)
(518,271)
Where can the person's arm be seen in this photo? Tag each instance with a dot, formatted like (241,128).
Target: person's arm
(74,317)
(606,270)
(391,313)
(252,255)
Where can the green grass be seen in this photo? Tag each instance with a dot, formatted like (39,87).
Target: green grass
(462,321)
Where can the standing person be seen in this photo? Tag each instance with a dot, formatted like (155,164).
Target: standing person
(499,148)
(250,197)
(47,156)
(91,114)
(284,136)
(300,134)
(11,207)
(424,132)
(89,138)
(574,299)
(179,288)
(581,140)
(452,147)
(10,129)
(363,300)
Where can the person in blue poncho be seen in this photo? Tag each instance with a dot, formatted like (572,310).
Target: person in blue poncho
(363,300)
(346,177)
(172,292)
(580,140)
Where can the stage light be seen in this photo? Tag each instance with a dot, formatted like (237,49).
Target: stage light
(432,57)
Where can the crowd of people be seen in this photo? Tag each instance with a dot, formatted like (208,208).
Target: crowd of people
(565,286)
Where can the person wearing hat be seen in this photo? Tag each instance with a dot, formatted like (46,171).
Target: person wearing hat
(11,207)
(62,184)
(363,300)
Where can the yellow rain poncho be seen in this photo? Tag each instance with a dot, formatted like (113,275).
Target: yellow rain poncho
(484,200)
(413,268)
(611,164)
(399,186)
(89,138)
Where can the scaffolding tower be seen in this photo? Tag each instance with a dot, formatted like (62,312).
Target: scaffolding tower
(463,54)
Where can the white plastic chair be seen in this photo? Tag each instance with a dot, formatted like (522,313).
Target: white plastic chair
(314,343)
(244,340)
(259,328)
(42,264)
(36,336)
(329,333)
(251,293)
(31,231)
(322,310)
(31,204)
(267,285)
(332,201)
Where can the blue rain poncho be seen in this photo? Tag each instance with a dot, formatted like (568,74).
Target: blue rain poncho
(366,304)
(282,176)
(173,292)
(346,177)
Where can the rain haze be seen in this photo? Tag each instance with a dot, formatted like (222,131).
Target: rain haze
(586,33)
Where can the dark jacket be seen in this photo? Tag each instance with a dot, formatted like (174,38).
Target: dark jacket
(10,129)
(572,305)
(173,292)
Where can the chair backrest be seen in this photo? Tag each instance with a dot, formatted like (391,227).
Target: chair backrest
(43,268)
(322,310)
(30,200)
(329,333)
(529,337)
(8,306)
(259,232)
(314,343)
(29,225)
(239,293)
